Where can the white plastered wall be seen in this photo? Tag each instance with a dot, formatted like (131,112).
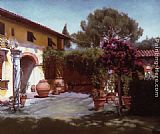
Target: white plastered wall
(37,72)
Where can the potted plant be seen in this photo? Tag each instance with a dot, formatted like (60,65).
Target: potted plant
(98,93)
(23,95)
(23,98)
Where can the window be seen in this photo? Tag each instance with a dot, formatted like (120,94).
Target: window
(2,28)
(50,42)
(12,32)
(30,36)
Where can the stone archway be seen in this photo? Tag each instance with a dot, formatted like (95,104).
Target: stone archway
(27,63)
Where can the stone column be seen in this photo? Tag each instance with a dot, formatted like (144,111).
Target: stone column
(16,77)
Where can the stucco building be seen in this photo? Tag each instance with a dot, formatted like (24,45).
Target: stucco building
(32,38)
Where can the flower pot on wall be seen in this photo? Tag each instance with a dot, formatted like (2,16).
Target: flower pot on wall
(43,88)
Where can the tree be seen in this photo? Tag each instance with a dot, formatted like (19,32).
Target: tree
(147,44)
(99,22)
(67,43)
(119,55)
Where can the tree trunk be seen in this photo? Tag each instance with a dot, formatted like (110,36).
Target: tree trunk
(119,96)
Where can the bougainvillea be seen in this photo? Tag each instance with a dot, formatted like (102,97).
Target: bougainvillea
(118,55)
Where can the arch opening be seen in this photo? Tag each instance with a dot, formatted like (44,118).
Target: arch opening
(27,64)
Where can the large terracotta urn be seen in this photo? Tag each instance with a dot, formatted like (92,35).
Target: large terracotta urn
(43,88)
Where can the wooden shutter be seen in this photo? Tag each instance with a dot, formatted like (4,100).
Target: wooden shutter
(30,36)
(50,42)
(2,28)
(12,32)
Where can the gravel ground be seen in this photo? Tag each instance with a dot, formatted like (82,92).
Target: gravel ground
(71,113)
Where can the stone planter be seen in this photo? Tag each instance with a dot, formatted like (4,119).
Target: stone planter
(43,88)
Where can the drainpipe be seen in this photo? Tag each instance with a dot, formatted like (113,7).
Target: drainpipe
(16,77)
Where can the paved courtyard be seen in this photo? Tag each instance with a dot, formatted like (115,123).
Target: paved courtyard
(63,106)
(72,113)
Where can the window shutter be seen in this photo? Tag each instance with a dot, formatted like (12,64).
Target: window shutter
(12,32)
(2,28)
(50,42)
(30,36)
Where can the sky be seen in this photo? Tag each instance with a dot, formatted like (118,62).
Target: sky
(56,13)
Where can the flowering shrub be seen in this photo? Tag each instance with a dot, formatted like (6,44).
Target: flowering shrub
(118,56)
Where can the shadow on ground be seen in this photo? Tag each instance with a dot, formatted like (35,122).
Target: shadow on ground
(98,123)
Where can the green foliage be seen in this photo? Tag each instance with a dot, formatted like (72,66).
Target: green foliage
(126,80)
(49,52)
(86,61)
(146,44)
(99,22)
(67,43)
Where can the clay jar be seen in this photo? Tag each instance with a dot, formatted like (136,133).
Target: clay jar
(43,88)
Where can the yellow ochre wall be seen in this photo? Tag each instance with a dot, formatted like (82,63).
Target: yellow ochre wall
(20,31)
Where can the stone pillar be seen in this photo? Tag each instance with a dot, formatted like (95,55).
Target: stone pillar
(16,77)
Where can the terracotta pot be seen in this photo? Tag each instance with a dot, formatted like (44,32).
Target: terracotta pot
(110,98)
(23,99)
(99,103)
(127,101)
(59,85)
(43,88)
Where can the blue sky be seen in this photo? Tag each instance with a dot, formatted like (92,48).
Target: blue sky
(55,13)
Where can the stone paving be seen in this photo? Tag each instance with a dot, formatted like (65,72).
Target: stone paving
(65,105)
(74,112)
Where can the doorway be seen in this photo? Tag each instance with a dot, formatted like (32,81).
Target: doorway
(27,64)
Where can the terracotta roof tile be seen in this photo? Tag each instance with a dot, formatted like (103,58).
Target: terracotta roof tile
(146,53)
(21,19)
